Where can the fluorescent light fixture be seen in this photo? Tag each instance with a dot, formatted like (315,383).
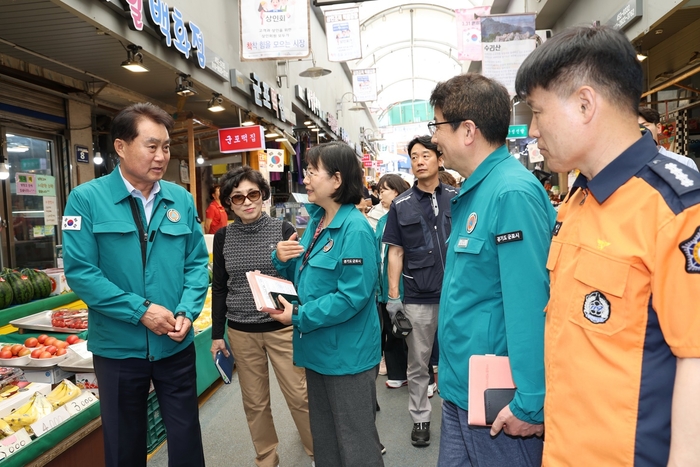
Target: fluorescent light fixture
(184,86)
(134,60)
(306,122)
(279,140)
(20,148)
(315,129)
(216,104)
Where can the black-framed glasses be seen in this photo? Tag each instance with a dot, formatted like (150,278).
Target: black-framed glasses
(432,126)
(239,199)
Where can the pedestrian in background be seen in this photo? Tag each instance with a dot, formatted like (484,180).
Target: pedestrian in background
(256,339)
(134,252)
(336,326)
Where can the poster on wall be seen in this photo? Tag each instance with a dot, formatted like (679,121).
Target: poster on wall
(343,34)
(275,160)
(274,29)
(184,172)
(469,32)
(364,84)
(50,210)
(506,41)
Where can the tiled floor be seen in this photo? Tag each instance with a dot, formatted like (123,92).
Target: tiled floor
(227,439)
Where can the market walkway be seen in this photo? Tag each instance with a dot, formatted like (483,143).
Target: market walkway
(227,439)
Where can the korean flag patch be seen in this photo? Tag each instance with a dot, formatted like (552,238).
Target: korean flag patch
(71,222)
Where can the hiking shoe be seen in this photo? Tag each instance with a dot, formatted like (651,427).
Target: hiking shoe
(420,436)
(431,389)
(396,383)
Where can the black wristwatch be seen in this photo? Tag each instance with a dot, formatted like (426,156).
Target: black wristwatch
(295,309)
(180,313)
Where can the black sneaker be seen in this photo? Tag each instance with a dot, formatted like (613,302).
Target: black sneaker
(420,436)
(383,449)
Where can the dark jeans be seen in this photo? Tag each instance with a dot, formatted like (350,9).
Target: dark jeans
(124,385)
(462,445)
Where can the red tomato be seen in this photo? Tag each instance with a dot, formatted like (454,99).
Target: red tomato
(24,351)
(72,339)
(51,349)
(50,341)
(36,353)
(61,352)
(5,354)
(16,348)
(42,338)
(61,344)
(6,348)
(45,355)
(31,342)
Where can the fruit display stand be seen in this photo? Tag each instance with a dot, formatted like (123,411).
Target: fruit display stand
(80,437)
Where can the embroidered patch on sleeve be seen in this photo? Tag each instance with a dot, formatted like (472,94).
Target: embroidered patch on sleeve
(352,261)
(557,227)
(71,222)
(691,251)
(509,237)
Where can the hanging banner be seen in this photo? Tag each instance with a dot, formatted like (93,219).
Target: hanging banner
(275,160)
(469,32)
(343,34)
(506,41)
(364,84)
(274,29)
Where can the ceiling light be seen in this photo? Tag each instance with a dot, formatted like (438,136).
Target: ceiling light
(641,57)
(97,159)
(279,140)
(249,120)
(315,129)
(271,134)
(18,148)
(134,60)
(216,104)
(184,86)
(308,122)
(200,159)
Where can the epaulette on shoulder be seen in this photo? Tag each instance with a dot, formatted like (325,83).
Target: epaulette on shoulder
(679,177)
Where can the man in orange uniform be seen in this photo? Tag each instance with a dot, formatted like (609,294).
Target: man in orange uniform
(622,333)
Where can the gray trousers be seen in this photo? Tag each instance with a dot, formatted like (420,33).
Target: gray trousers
(423,318)
(342,411)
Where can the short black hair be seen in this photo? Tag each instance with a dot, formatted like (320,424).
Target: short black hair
(212,190)
(335,157)
(650,115)
(234,177)
(474,97)
(597,56)
(393,182)
(427,142)
(125,124)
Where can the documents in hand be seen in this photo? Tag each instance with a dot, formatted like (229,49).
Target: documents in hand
(262,287)
(492,373)
(225,364)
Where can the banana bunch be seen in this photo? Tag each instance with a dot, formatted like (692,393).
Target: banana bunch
(23,416)
(5,429)
(8,391)
(64,392)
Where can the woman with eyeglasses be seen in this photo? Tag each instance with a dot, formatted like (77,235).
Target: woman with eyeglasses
(336,325)
(254,337)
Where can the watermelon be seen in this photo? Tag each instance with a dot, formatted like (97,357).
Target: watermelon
(40,282)
(22,289)
(5,293)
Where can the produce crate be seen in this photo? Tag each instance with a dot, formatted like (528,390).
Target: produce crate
(156,429)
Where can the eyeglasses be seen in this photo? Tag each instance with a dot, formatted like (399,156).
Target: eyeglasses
(432,126)
(239,199)
(309,173)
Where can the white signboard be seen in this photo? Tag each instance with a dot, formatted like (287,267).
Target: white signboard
(274,29)
(343,34)
(50,210)
(506,41)
(364,84)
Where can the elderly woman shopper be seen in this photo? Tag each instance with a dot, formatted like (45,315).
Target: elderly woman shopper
(254,337)
(336,324)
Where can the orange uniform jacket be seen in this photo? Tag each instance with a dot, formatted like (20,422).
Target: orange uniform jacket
(624,305)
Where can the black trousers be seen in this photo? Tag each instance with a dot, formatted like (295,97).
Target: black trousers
(124,385)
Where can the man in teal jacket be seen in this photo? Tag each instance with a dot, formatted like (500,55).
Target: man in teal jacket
(496,284)
(134,252)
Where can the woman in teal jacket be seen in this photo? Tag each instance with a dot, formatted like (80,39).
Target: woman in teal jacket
(336,325)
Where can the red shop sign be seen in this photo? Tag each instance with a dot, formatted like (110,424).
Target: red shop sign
(241,139)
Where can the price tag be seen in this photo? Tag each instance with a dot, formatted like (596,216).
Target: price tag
(50,422)
(80,403)
(14,443)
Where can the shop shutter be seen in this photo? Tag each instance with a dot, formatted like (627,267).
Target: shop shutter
(31,109)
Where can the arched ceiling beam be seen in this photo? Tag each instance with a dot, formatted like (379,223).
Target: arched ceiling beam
(413,6)
(417,78)
(401,46)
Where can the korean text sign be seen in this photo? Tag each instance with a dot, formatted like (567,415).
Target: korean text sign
(241,139)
